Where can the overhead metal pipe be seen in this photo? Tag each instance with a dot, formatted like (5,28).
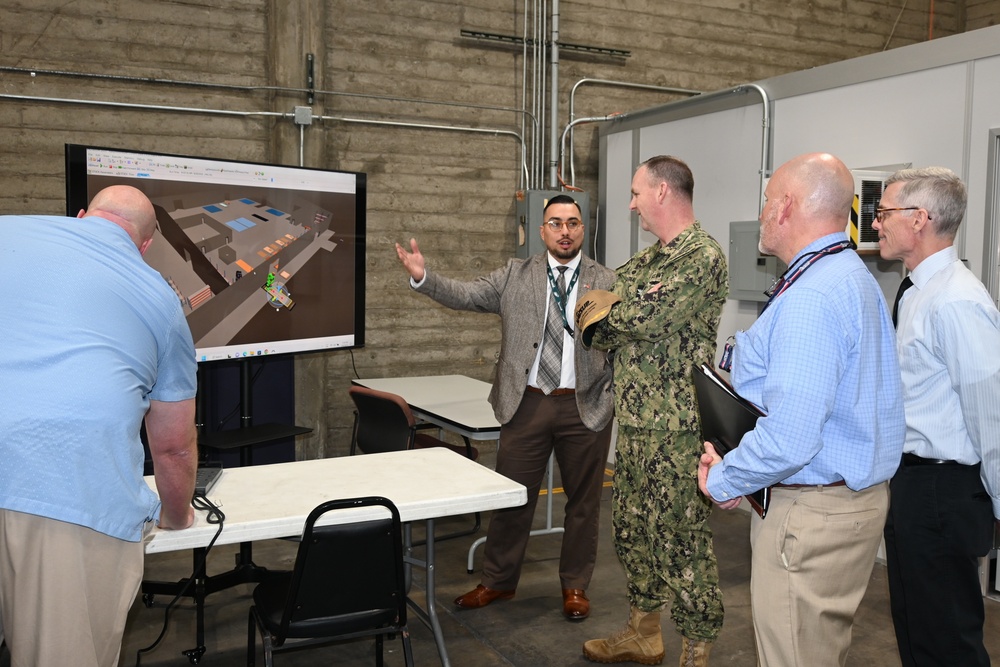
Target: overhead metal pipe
(608,82)
(742,89)
(524,86)
(568,129)
(244,114)
(426,126)
(253,89)
(554,103)
(148,107)
(523,113)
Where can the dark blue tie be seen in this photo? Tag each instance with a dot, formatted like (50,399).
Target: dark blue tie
(903,286)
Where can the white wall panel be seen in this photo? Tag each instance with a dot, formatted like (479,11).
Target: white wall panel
(724,152)
(985,116)
(616,196)
(934,108)
(917,117)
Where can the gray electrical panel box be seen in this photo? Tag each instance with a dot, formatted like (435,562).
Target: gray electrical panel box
(528,209)
(750,272)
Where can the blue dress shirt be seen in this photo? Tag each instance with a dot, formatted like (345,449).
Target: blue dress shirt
(821,363)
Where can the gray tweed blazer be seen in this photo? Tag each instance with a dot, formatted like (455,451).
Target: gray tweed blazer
(518,293)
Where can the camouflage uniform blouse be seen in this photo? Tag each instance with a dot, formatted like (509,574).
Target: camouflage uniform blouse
(658,337)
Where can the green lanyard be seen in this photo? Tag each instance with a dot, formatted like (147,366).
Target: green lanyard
(561,299)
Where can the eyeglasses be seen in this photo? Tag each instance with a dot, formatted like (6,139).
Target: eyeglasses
(571,225)
(880,212)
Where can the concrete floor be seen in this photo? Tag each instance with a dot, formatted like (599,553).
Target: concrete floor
(528,631)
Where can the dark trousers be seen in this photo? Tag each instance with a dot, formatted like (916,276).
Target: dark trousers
(541,424)
(940,523)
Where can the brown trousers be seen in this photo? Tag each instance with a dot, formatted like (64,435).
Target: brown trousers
(540,425)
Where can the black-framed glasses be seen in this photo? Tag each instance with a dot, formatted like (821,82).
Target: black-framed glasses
(571,225)
(880,212)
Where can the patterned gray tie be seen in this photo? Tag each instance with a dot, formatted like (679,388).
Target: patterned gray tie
(550,363)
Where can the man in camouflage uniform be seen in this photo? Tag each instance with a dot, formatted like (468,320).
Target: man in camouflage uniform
(671,298)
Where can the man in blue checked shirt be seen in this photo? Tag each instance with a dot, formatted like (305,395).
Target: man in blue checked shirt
(821,363)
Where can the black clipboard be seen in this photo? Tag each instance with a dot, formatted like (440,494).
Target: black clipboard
(725,418)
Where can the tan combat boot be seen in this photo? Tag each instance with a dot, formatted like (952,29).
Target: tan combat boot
(640,641)
(694,652)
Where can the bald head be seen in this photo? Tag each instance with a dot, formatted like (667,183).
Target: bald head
(825,187)
(128,208)
(808,197)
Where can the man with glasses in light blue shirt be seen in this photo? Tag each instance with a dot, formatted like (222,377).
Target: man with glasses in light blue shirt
(947,490)
(820,362)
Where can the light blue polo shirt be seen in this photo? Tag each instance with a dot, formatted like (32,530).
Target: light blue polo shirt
(90,334)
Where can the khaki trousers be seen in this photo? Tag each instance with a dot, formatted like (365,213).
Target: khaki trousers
(65,591)
(812,558)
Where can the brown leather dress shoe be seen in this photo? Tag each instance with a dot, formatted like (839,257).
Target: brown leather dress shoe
(481,596)
(576,605)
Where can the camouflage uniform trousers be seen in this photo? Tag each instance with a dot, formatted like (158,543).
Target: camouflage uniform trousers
(661,531)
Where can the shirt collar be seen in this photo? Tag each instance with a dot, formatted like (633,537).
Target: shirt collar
(924,271)
(819,244)
(571,264)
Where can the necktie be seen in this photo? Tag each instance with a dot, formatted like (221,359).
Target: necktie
(903,286)
(550,363)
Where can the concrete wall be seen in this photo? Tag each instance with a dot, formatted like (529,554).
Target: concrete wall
(212,67)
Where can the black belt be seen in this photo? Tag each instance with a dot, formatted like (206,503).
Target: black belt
(839,482)
(565,391)
(914,460)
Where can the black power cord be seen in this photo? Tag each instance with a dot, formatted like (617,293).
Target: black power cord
(214,516)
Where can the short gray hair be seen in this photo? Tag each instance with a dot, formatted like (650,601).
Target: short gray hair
(939,191)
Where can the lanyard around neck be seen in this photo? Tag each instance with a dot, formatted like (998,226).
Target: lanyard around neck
(800,266)
(561,299)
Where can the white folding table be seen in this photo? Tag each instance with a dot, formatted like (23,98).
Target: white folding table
(272,501)
(459,404)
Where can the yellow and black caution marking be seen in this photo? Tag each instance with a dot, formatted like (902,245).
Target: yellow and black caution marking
(855,231)
(607,484)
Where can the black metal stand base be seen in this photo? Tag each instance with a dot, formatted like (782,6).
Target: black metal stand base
(244,572)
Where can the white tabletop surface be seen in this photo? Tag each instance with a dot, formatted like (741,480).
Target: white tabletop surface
(271,501)
(459,400)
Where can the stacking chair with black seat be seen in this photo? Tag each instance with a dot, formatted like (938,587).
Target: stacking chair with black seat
(383,422)
(347,582)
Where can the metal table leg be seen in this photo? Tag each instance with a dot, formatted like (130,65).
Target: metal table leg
(428,616)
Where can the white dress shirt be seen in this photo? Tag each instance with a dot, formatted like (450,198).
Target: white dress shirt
(568,379)
(948,339)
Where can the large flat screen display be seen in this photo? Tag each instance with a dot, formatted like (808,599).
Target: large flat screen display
(264,259)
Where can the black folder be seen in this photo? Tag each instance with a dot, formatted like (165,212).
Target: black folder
(725,418)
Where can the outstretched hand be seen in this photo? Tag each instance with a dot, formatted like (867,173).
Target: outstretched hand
(705,463)
(412,261)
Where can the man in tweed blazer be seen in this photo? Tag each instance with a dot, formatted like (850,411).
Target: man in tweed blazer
(568,410)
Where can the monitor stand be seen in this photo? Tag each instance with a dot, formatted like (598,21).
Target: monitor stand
(245,570)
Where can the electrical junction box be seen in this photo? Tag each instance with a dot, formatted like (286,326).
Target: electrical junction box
(529,205)
(750,272)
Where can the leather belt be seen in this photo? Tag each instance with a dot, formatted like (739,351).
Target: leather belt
(807,486)
(914,460)
(564,391)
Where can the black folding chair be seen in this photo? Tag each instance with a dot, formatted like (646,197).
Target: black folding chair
(347,582)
